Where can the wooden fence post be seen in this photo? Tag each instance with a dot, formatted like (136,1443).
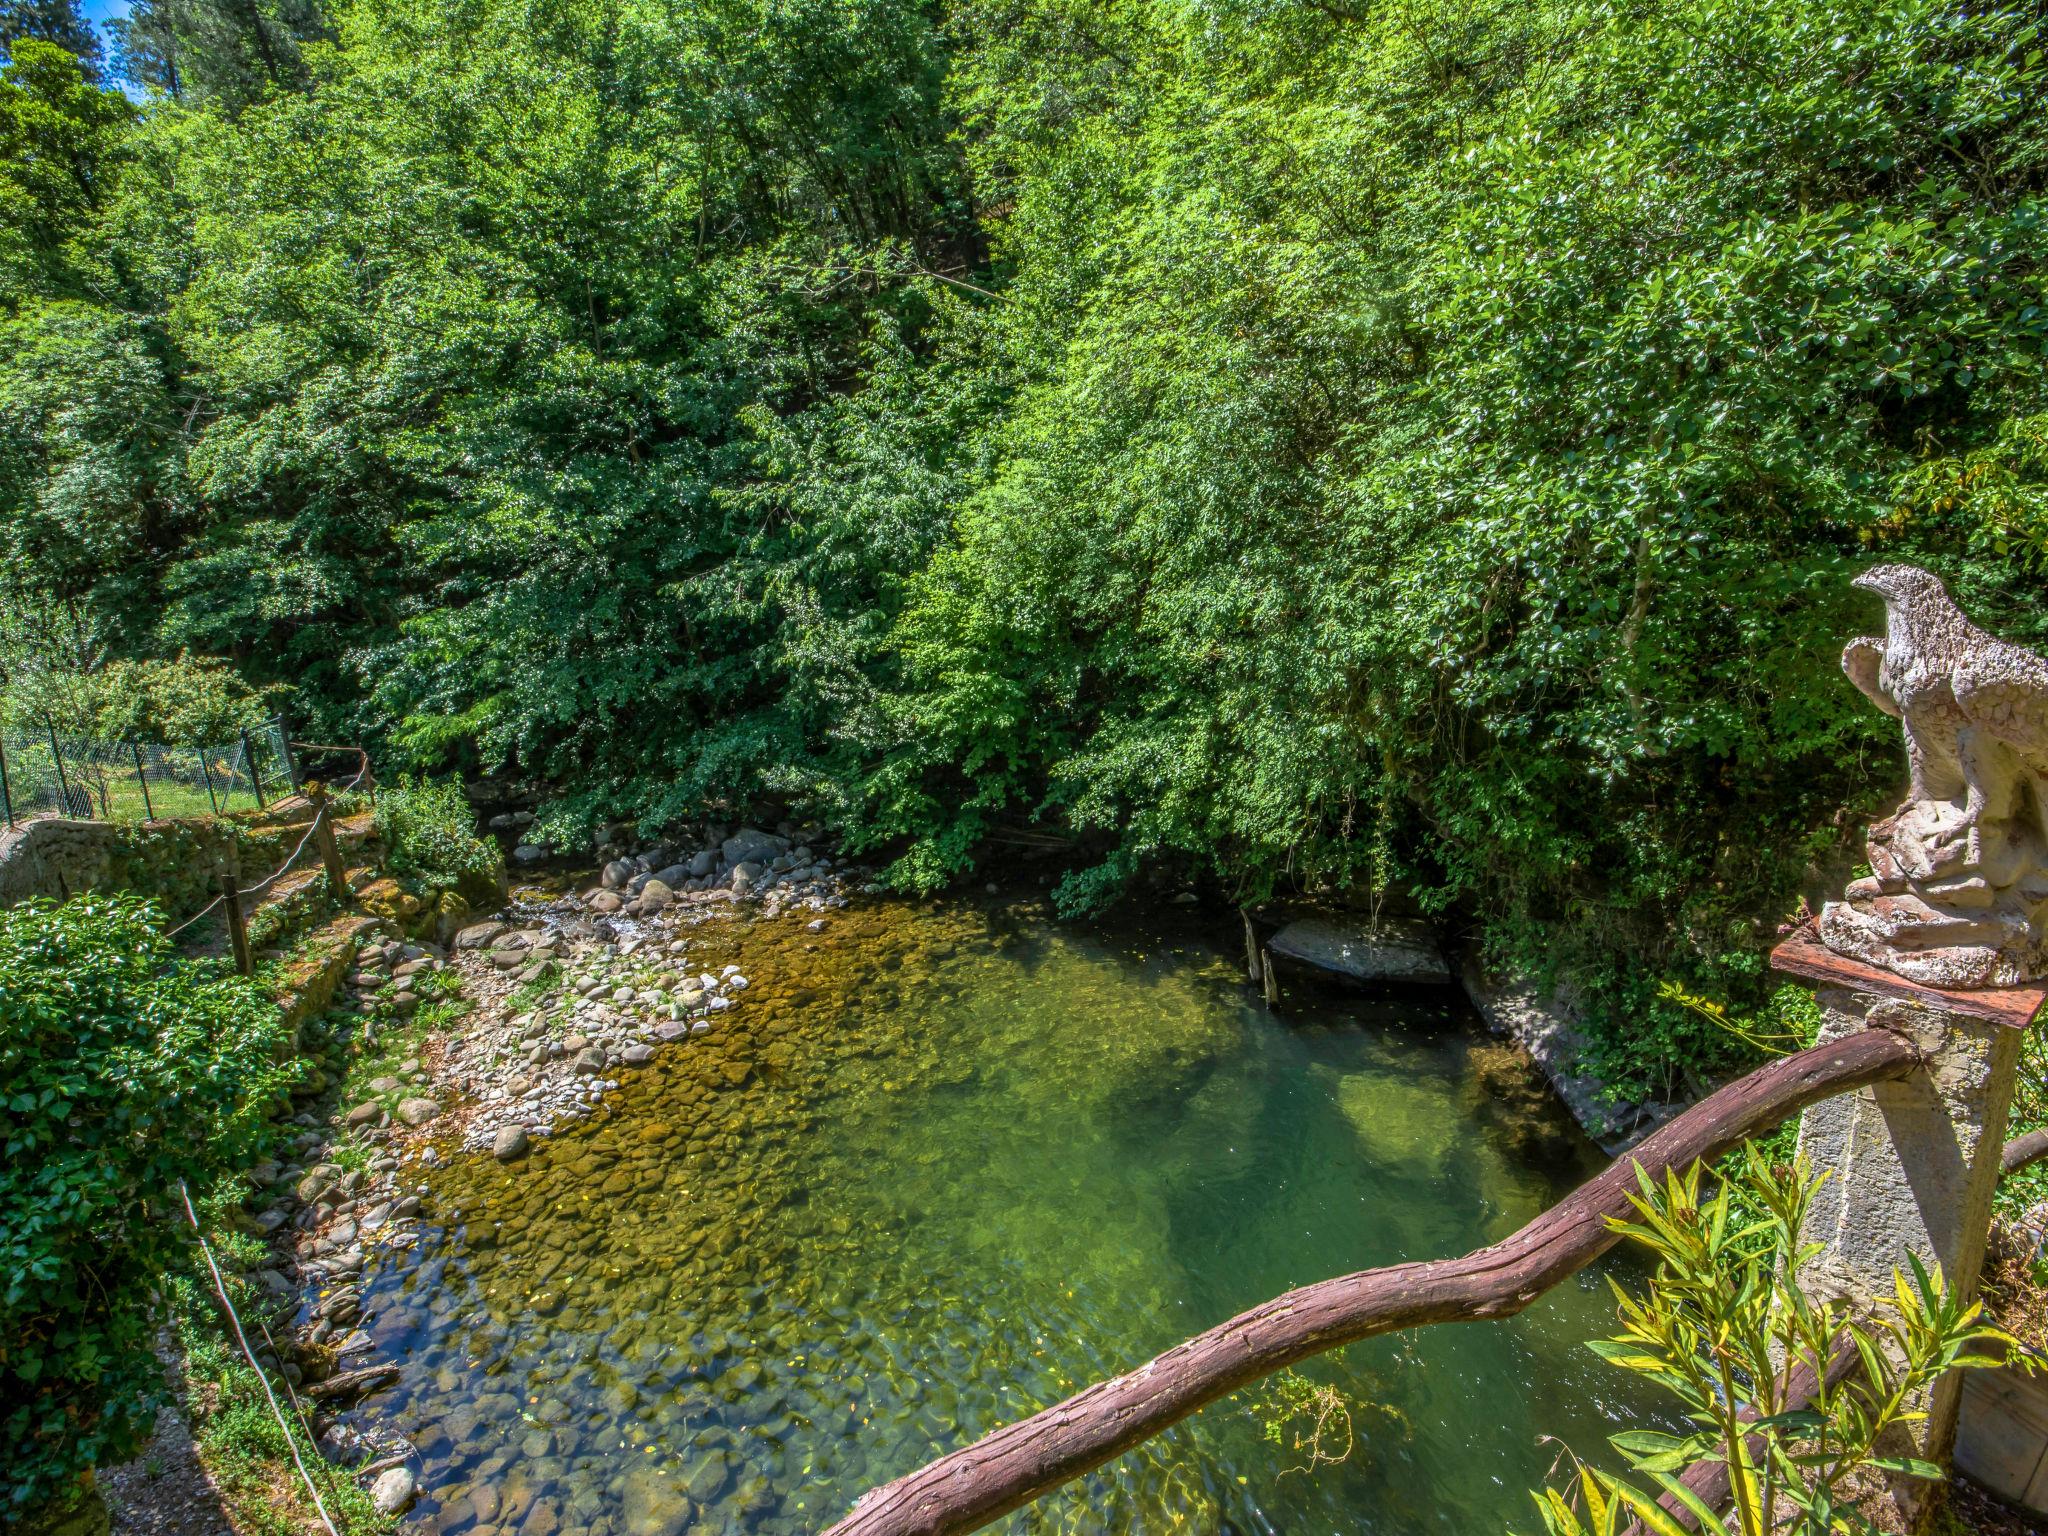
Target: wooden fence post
(238,928)
(1251,950)
(1269,976)
(6,790)
(1913,1163)
(323,834)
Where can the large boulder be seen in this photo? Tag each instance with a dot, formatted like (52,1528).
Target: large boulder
(479,935)
(509,1144)
(751,845)
(1393,949)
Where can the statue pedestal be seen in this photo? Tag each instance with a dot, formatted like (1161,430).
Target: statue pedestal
(1914,1163)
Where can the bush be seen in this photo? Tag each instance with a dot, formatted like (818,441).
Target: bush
(426,828)
(126,1071)
(1724,1320)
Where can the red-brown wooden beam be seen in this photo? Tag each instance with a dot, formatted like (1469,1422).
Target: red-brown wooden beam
(1013,1465)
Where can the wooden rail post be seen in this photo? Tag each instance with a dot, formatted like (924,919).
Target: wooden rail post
(6,791)
(1914,1162)
(323,834)
(238,927)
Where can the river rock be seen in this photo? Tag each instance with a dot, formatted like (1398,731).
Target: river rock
(746,876)
(707,1479)
(656,892)
(751,845)
(393,1491)
(590,1061)
(637,1055)
(362,1114)
(417,1112)
(616,874)
(509,1144)
(528,854)
(606,901)
(1389,950)
(702,863)
(318,1180)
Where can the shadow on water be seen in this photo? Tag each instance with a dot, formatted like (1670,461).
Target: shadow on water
(979,1160)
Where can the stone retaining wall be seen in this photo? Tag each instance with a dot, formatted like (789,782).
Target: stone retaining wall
(177,861)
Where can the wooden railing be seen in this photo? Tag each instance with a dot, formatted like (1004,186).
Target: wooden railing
(1020,1462)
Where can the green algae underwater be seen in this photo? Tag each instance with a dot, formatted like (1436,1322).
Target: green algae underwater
(946,1164)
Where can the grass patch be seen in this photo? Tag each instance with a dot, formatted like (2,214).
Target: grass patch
(378,1042)
(239,1440)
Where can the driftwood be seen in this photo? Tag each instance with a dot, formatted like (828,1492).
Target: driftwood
(1017,1463)
(348,1384)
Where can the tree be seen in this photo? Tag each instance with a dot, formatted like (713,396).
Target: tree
(61,142)
(231,52)
(53,21)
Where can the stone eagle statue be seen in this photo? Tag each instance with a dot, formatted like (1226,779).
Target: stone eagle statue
(1958,890)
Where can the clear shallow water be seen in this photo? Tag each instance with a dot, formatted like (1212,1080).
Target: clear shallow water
(977,1161)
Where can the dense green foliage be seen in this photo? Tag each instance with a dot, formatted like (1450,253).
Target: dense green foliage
(1303,444)
(125,1071)
(427,831)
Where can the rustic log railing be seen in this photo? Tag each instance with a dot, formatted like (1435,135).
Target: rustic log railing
(1011,1466)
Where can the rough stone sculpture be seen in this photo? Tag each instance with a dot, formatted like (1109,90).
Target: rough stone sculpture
(1958,891)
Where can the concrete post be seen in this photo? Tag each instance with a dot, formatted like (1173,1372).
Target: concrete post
(1913,1163)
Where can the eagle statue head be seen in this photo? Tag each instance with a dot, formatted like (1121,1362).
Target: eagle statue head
(1903,586)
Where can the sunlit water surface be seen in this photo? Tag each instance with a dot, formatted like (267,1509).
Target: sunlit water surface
(979,1160)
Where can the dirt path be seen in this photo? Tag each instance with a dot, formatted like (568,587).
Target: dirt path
(165,1491)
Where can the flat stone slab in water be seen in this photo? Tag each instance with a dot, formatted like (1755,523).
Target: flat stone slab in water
(1390,950)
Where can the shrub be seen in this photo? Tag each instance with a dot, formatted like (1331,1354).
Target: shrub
(1722,1322)
(426,828)
(126,1070)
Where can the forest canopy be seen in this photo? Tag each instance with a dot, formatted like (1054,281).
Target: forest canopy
(1300,445)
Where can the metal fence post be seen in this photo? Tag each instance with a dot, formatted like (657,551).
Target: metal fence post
(142,780)
(238,928)
(206,773)
(255,777)
(291,762)
(6,791)
(63,784)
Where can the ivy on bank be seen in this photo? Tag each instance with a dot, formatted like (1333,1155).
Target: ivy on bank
(126,1071)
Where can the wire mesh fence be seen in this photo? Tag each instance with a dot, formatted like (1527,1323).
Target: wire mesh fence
(45,773)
